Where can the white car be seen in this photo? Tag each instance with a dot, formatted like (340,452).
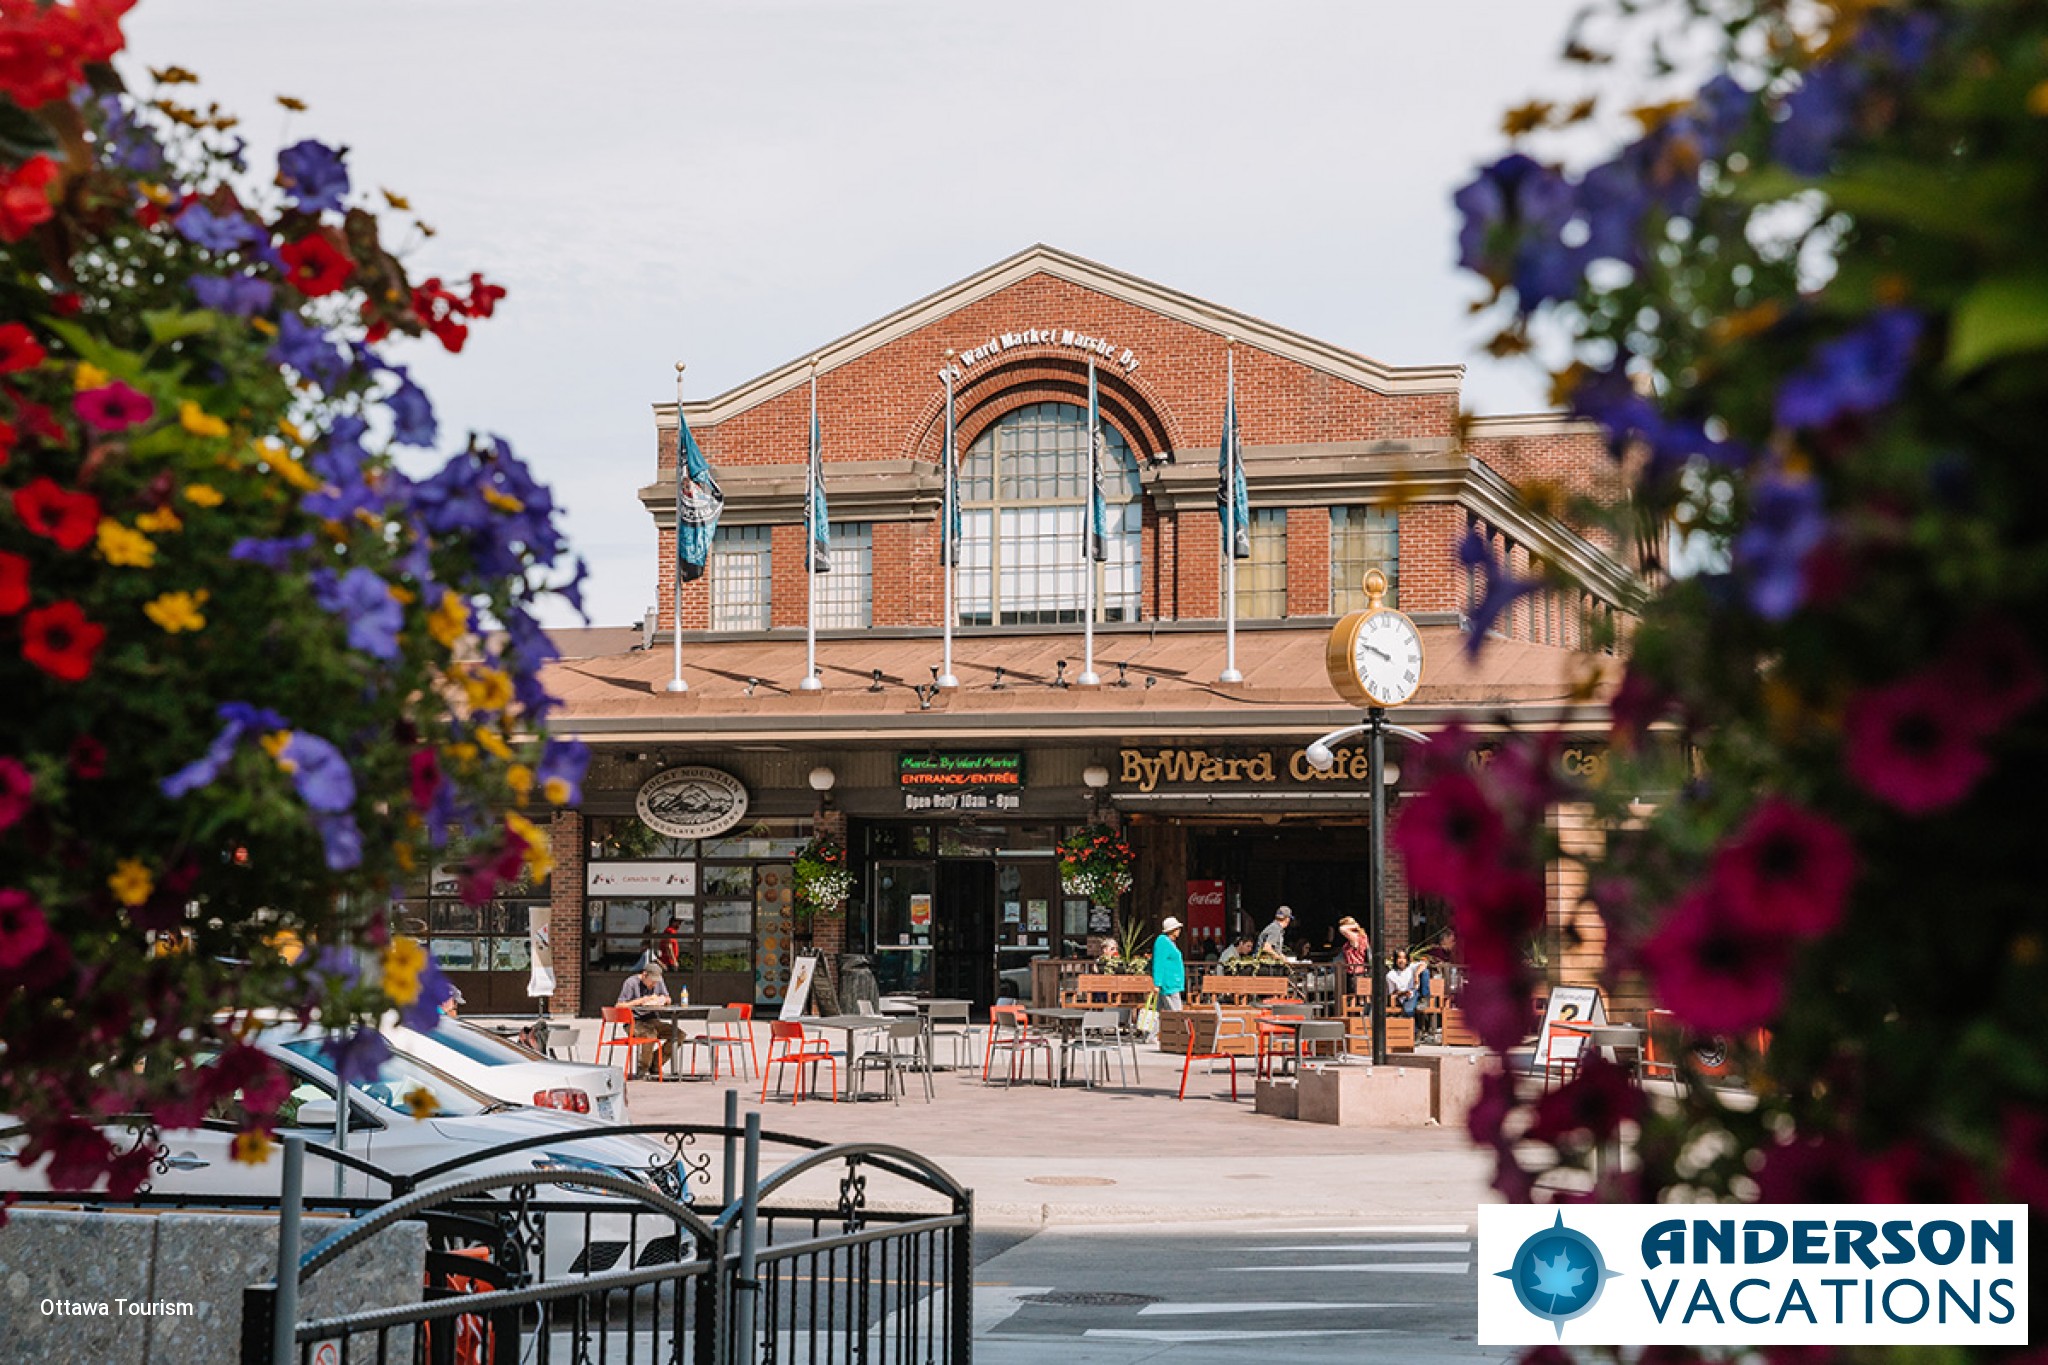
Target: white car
(504,1070)
(383,1130)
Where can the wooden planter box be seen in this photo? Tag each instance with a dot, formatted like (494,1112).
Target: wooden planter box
(1358,1030)
(1220,986)
(1457,1033)
(1103,988)
(1175,1026)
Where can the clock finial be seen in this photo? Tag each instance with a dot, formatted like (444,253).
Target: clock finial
(1375,588)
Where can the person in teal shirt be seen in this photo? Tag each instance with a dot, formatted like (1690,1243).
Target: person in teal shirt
(1169,975)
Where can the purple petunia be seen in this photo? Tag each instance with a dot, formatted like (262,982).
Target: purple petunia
(412,416)
(1532,203)
(271,554)
(238,720)
(130,146)
(201,226)
(1500,591)
(1786,524)
(306,349)
(320,773)
(566,759)
(239,296)
(364,600)
(312,173)
(356,1056)
(423,1015)
(341,843)
(1856,373)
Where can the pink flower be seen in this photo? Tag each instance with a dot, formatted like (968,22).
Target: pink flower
(1823,1170)
(1914,1173)
(2026,1156)
(1788,868)
(113,407)
(426,778)
(1910,745)
(23,930)
(1595,1102)
(1714,970)
(1448,836)
(16,788)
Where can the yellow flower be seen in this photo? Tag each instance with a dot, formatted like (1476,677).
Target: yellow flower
(125,547)
(402,853)
(288,469)
(402,595)
(406,959)
(161,520)
(488,689)
(251,1147)
(519,777)
(539,861)
(421,1102)
(178,611)
(557,791)
(464,754)
(199,421)
(264,326)
(90,376)
(131,882)
(449,622)
(2037,100)
(504,502)
(292,431)
(203,495)
(492,744)
(273,744)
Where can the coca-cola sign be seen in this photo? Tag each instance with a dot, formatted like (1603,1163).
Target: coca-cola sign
(691,803)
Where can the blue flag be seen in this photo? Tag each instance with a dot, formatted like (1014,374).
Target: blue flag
(1098,510)
(820,521)
(699,500)
(1232,502)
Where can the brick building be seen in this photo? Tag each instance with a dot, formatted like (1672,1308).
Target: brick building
(951,801)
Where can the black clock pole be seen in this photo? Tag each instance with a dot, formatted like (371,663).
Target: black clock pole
(1376,874)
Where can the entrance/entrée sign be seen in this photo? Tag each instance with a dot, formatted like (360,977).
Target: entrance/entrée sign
(691,803)
(641,879)
(980,780)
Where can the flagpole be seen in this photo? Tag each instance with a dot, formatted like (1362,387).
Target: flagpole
(1230,673)
(948,551)
(675,682)
(812,474)
(1089,566)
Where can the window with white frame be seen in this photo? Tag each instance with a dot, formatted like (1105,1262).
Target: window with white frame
(846,595)
(1023,511)
(740,578)
(1363,538)
(1262,579)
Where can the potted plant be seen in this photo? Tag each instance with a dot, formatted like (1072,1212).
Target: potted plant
(1126,955)
(823,882)
(1095,862)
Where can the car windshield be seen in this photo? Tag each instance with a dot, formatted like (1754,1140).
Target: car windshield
(478,1045)
(402,1082)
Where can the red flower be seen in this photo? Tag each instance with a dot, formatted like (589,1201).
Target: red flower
(13,583)
(483,298)
(1448,837)
(1714,970)
(1910,745)
(115,407)
(48,510)
(315,265)
(37,421)
(2026,1156)
(2000,678)
(1914,1173)
(79,1154)
(426,778)
(25,198)
(17,786)
(1811,1171)
(60,641)
(87,759)
(7,435)
(1788,868)
(44,49)
(23,929)
(19,349)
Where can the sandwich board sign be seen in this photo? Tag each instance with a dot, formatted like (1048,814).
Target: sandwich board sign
(1573,1005)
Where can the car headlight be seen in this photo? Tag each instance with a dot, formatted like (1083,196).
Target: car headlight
(561,1161)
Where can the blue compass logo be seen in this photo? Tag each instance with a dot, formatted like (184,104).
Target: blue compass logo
(1557,1274)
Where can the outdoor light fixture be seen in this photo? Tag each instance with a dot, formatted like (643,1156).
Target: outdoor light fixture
(1121,679)
(876,685)
(1319,756)
(822,779)
(1095,777)
(997,686)
(1390,774)
(752,683)
(1060,677)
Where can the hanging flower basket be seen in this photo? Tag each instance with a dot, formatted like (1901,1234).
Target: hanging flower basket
(1096,862)
(823,883)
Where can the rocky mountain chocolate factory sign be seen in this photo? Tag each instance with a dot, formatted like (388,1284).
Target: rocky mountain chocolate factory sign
(691,803)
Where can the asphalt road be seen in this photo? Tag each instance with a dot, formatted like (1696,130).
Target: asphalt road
(1231,1292)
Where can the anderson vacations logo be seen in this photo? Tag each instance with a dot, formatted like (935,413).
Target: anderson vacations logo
(1702,1275)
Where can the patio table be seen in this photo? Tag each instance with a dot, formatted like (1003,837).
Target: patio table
(852,1025)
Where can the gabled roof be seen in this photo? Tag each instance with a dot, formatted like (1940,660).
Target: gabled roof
(1140,293)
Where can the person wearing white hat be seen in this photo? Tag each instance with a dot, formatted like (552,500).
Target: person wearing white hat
(1169,973)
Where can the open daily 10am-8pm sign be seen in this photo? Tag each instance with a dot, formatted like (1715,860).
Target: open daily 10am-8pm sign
(977,780)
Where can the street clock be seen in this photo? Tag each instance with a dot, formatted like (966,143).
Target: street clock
(1375,656)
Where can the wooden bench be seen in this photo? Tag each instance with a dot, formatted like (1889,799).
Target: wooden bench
(1177,1027)
(1358,1030)
(1107,989)
(1239,990)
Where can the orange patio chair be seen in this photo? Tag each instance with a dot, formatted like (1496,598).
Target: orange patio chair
(615,1030)
(787,1044)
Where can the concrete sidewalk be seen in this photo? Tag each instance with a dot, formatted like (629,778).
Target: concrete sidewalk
(1034,1155)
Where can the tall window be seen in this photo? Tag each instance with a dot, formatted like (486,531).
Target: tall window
(739,578)
(1262,579)
(1023,504)
(846,595)
(1363,538)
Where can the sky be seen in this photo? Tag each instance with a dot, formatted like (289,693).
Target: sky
(731,183)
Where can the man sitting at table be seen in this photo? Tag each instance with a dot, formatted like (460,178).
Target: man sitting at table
(646,990)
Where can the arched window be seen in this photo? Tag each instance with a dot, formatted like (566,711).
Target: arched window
(1023,504)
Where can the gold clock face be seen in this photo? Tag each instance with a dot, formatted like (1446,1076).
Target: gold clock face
(1375,658)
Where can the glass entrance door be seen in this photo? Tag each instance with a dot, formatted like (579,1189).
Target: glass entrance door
(963,923)
(904,911)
